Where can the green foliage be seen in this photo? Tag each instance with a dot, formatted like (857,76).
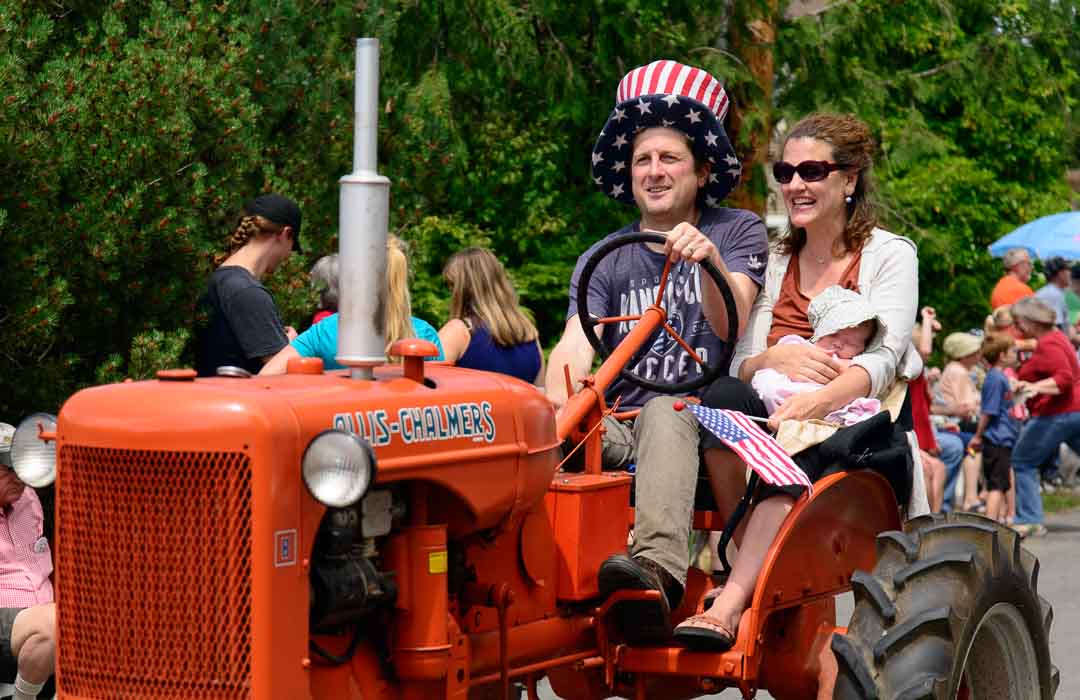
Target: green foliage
(969,101)
(132,131)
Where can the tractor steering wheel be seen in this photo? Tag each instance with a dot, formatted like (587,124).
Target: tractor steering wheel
(709,371)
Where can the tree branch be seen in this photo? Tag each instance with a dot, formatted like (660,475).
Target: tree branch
(796,14)
(933,71)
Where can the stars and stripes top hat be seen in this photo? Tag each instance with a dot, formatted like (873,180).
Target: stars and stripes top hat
(668,94)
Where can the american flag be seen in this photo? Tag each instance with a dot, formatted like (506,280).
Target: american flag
(759,450)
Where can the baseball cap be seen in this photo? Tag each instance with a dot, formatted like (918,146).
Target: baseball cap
(280,210)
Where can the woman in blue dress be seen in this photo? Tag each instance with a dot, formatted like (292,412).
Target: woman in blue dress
(488,329)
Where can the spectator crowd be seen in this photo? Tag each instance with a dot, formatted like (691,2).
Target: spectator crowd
(999,424)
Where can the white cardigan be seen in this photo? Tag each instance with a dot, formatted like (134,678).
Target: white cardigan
(888,278)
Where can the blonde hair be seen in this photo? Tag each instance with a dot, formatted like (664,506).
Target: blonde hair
(250,226)
(481,290)
(398,311)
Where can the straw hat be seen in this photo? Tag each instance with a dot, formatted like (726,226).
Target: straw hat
(959,345)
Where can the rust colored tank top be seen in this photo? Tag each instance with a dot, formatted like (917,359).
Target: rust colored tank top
(789,314)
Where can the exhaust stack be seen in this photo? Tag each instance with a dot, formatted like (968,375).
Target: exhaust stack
(364,216)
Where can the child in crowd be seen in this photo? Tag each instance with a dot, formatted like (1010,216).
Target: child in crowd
(996,431)
(845,326)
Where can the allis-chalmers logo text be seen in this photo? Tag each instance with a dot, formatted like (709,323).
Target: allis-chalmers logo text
(421,424)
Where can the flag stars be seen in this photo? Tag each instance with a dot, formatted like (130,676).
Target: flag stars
(620,141)
(643,107)
(731,160)
(599,181)
(667,123)
(619,166)
(617,191)
(710,138)
(597,158)
(712,202)
(694,116)
(619,115)
(671,100)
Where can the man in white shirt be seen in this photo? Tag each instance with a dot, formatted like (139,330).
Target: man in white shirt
(1053,293)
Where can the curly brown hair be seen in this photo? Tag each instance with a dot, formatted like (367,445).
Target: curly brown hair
(853,148)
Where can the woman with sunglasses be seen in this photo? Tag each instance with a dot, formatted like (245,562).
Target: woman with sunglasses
(832,239)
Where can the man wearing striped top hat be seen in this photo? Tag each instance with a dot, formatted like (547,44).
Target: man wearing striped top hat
(664,150)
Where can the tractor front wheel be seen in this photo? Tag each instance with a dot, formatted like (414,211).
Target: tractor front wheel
(950,612)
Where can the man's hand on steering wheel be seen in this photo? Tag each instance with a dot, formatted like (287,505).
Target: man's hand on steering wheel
(687,239)
(686,242)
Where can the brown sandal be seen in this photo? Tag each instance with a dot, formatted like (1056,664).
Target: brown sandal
(704,633)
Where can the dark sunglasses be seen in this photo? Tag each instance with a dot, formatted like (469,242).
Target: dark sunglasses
(809,170)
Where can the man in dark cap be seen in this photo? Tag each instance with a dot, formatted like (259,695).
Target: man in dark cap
(1053,292)
(243,326)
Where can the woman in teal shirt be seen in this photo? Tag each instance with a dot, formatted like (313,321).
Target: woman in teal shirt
(321,339)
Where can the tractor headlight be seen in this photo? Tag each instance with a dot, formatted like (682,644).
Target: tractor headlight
(338,468)
(32,457)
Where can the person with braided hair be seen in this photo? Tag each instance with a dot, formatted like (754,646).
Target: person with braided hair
(243,327)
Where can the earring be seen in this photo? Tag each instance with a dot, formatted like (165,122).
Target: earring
(847,199)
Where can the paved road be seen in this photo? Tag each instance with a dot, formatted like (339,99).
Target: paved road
(1059,572)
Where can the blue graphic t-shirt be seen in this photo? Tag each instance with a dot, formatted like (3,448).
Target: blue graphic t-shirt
(321,340)
(626,283)
(995,402)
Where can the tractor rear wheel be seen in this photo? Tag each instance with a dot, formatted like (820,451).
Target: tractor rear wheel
(950,612)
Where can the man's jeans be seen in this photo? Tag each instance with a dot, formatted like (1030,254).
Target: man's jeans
(1038,442)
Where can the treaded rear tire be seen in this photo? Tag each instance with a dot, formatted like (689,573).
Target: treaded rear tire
(944,585)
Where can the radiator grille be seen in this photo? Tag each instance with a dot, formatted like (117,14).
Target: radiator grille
(154,559)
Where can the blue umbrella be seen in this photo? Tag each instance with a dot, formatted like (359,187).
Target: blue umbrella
(1057,235)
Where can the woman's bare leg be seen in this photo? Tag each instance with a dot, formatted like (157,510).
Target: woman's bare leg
(727,477)
(761,528)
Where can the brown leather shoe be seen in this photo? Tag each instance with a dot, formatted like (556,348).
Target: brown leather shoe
(641,621)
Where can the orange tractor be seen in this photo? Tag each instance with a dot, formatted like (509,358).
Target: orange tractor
(405,532)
